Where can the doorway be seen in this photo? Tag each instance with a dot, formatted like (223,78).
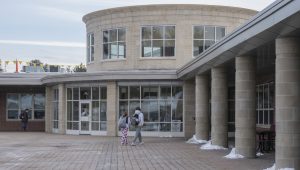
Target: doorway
(85,117)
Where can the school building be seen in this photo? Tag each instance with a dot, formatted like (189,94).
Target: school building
(213,71)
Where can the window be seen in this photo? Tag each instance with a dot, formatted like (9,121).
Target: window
(90,47)
(206,36)
(265,104)
(162,106)
(158,41)
(17,103)
(114,44)
(55,102)
(98,97)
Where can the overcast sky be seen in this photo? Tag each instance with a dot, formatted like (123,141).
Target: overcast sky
(53,31)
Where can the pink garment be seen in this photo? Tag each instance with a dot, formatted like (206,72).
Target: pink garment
(124,136)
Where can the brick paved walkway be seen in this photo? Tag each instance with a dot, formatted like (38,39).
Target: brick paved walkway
(49,151)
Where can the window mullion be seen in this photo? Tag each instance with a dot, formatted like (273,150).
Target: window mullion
(164,38)
(151,41)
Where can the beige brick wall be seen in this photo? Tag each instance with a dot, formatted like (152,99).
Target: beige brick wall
(111,108)
(182,16)
(48,109)
(189,108)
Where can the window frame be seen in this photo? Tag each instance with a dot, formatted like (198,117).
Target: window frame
(55,100)
(263,109)
(118,44)
(171,99)
(151,40)
(102,98)
(32,109)
(215,37)
(90,56)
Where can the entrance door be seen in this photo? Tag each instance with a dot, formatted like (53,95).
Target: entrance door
(85,117)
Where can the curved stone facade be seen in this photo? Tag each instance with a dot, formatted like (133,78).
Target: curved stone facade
(183,17)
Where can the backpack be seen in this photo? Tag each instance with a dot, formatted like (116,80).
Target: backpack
(135,120)
(122,122)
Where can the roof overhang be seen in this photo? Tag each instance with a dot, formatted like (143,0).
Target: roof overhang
(112,75)
(281,18)
(21,78)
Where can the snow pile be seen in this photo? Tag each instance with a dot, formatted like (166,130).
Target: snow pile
(234,155)
(259,154)
(274,168)
(271,168)
(194,140)
(209,146)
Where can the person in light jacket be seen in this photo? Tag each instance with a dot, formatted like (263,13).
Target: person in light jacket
(138,128)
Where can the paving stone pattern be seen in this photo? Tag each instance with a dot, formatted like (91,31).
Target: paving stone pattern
(50,151)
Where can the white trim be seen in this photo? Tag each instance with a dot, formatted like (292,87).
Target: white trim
(72,132)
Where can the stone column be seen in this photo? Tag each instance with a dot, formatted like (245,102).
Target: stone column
(112,109)
(189,108)
(202,107)
(62,109)
(287,103)
(48,109)
(219,107)
(245,113)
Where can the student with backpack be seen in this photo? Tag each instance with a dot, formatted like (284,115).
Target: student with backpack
(124,123)
(138,117)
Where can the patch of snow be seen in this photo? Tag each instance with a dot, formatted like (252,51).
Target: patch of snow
(209,146)
(274,168)
(234,155)
(271,168)
(194,140)
(259,154)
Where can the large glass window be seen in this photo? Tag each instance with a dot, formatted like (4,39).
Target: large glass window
(158,41)
(114,43)
(206,36)
(97,95)
(265,104)
(162,106)
(17,103)
(90,47)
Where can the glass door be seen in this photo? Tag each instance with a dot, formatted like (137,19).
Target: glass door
(85,117)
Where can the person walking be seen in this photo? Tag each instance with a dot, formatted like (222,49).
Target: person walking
(124,123)
(24,119)
(139,116)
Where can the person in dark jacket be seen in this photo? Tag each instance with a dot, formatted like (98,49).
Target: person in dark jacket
(24,119)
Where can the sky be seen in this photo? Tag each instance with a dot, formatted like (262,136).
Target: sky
(53,32)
